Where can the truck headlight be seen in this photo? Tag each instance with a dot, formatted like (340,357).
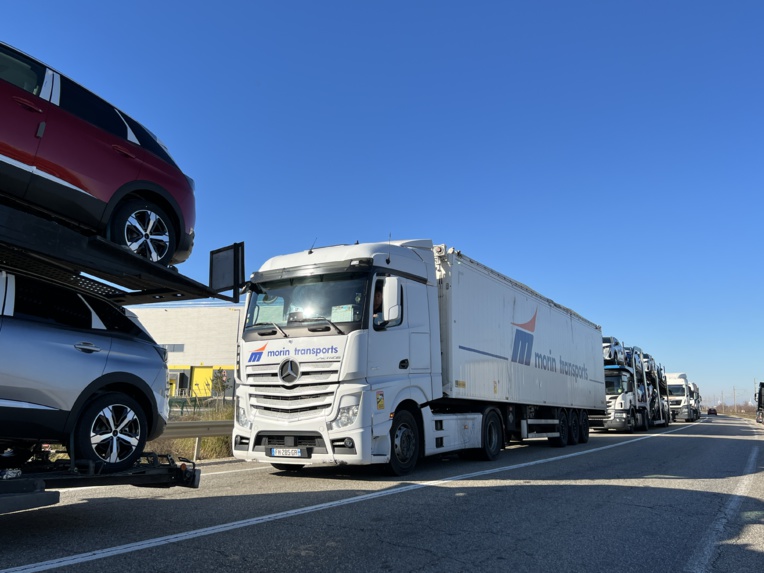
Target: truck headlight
(346,414)
(242,418)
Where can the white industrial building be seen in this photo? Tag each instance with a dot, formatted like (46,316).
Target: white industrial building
(200,338)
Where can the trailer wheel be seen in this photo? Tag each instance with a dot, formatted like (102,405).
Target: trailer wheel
(493,436)
(562,428)
(404,443)
(145,229)
(584,437)
(574,428)
(111,432)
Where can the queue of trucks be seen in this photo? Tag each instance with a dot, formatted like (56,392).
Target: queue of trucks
(378,353)
(384,353)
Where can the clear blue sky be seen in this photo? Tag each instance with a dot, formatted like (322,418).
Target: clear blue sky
(607,154)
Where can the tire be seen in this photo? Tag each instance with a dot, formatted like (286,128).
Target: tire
(404,444)
(145,229)
(493,436)
(645,421)
(631,424)
(562,427)
(574,428)
(288,467)
(584,432)
(111,432)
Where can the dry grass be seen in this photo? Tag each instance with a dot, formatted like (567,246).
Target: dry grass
(211,448)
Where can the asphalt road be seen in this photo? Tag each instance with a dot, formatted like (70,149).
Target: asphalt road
(687,498)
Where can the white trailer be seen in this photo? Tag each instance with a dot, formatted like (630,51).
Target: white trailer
(458,357)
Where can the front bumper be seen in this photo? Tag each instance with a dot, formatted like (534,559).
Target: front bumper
(304,444)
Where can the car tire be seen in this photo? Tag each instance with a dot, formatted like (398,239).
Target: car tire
(144,228)
(111,432)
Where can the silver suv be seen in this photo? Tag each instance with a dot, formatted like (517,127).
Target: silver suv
(78,370)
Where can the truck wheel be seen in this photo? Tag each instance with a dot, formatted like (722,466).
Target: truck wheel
(631,422)
(404,444)
(145,229)
(645,422)
(493,436)
(562,427)
(111,432)
(584,437)
(574,428)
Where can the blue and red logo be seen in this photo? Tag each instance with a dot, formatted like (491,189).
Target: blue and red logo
(257,354)
(522,350)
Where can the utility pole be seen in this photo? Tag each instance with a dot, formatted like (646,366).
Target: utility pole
(734,401)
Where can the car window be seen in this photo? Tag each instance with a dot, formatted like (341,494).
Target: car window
(114,320)
(88,106)
(52,304)
(21,71)
(147,139)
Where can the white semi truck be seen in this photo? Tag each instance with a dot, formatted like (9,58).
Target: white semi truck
(683,398)
(457,357)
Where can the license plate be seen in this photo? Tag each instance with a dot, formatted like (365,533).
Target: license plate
(286,452)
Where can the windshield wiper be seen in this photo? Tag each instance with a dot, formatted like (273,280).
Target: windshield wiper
(316,318)
(274,325)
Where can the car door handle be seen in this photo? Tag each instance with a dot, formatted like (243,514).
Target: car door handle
(122,151)
(87,347)
(27,104)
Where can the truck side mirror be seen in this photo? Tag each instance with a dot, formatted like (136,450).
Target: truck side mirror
(391,300)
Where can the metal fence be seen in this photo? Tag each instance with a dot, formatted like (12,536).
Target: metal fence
(199,429)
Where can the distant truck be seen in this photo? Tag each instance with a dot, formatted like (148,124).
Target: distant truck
(634,394)
(684,398)
(760,403)
(383,353)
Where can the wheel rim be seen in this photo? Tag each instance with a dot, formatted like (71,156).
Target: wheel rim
(146,234)
(115,433)
(404,444)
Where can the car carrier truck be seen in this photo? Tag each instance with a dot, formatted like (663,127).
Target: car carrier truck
(635,395)
(455,357)
(45,249)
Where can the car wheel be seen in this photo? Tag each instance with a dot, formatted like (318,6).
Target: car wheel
(145,229)
(111,432)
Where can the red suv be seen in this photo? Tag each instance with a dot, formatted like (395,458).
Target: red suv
(65,151)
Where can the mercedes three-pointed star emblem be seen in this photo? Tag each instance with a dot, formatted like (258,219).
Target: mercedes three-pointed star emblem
(289,371)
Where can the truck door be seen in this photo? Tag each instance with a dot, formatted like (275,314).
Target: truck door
(399,350)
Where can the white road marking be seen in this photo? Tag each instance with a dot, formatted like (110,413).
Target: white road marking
(178,537)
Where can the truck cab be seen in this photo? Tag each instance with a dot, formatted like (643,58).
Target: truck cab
(681,399)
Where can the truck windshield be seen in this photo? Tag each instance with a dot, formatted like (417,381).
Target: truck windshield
(676,390)
(308,306)
(616,385)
